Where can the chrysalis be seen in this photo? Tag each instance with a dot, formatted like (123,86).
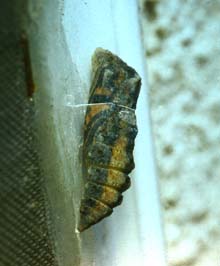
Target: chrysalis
(109,134)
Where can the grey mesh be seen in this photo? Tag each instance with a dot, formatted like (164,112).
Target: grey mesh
(24,237)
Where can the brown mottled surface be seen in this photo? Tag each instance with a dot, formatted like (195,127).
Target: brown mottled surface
(183,54)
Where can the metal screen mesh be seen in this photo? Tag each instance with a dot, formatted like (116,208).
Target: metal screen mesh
(24,238)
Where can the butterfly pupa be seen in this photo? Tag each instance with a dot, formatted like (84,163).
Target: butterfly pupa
(109,135)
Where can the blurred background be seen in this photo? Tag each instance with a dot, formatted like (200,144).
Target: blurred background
(182,49)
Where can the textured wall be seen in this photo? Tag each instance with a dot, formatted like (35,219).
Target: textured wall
(182,42)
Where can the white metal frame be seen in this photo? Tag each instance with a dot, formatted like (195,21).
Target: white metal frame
(132,235)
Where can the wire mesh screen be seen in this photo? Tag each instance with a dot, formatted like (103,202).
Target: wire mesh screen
(24,237)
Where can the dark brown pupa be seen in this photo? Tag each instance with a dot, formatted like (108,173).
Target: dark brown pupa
(109,133)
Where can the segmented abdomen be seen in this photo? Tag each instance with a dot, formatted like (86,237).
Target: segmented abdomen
(109,133)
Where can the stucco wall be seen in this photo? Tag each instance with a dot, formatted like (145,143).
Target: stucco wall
(182,43)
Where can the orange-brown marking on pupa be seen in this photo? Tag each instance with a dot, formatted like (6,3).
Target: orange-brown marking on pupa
(110,196)
(91,215)
(116,179)
(93,110)
(102,91)
(119,154)
(99,208)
